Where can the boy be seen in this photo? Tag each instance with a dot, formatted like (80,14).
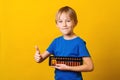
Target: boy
(69,44)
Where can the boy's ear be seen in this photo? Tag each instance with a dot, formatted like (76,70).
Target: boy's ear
(74,25)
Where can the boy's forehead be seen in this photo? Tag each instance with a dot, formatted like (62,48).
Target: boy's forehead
(63,15)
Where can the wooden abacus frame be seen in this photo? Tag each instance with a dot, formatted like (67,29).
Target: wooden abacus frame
(71,61)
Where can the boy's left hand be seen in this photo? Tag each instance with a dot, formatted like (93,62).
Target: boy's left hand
(61,67)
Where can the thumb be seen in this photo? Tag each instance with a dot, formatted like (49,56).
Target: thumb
(37,49)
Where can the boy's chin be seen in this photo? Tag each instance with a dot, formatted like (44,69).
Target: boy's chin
(66,33)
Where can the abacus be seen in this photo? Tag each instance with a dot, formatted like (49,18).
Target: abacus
(70,61)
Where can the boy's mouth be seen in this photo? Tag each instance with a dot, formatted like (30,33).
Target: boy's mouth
(64,28)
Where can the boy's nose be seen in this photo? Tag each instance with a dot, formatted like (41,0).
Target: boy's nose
(64,24)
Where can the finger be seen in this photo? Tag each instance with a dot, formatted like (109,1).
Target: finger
(37,48)
(37,54)
(57,64)
(37,58)
(52,66)
(57,67)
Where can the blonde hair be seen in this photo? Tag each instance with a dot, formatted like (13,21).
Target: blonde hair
(70,11)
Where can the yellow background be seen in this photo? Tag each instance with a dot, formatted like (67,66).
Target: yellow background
(26,23)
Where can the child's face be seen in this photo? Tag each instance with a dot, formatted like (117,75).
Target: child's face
(65,24)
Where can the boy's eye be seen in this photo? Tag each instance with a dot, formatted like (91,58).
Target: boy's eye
(60,21)
(68,20)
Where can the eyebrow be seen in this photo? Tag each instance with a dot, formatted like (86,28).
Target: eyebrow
(66,19)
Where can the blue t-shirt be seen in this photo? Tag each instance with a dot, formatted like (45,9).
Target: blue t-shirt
(70,48)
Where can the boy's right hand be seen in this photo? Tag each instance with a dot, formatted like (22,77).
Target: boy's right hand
(38,57)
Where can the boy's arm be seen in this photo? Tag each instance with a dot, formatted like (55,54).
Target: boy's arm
(44,56)
(87,66)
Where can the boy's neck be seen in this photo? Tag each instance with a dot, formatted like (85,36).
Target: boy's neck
(70,36)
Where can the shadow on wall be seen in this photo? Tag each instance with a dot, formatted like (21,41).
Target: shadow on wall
(108,55)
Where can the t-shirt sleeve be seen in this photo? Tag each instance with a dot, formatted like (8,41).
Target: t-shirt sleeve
(51,47)
(83,51)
